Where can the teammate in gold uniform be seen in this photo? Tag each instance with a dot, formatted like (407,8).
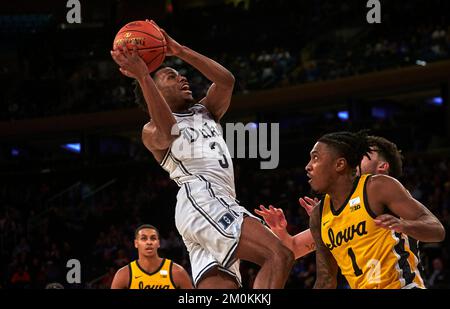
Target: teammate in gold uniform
(150,271)
(384,158)
(359,224)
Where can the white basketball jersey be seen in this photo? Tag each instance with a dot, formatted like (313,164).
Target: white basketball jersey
(200,152)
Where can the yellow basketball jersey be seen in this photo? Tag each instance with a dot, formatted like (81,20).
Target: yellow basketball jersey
(159,279)
(370,257)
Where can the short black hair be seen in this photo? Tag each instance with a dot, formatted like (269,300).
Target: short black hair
(145,226)
(352,146)
(390,152)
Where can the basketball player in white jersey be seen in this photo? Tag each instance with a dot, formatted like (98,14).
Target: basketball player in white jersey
(186,140)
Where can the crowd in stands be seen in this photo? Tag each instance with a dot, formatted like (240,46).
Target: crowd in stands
(49,218)
(39,234)
(300,43)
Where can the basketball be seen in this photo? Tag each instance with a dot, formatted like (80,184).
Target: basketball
(149,40)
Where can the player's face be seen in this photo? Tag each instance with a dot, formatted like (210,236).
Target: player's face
(174,86)
(321,167)
(369,166)
(374,165)
(147,242)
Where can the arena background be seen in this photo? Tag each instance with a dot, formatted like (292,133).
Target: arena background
(75,179)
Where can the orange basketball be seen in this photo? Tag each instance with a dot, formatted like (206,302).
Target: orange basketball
(149,41)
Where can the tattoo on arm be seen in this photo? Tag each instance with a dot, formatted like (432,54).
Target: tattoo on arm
(326,266)
(311,246)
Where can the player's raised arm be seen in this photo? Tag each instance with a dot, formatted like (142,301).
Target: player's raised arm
(157,136)
(218,98)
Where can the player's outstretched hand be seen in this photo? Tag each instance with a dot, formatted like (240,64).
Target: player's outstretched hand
(173,47)
(391,223)
(274,217)
(308,203)
(131,64)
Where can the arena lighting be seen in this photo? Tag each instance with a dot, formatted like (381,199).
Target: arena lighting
(252,125)
(436,101)
(72,147)
(15,152)
(421,63)
(343,115)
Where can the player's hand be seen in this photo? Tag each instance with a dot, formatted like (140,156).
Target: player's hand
(131,64)
(390,222)
(308,203)
(274,217)
(173,47)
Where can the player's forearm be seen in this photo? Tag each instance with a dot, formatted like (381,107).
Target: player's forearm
(158,108)
(427,228)
(285,238)
(303,243)
(325,281)
(212,70)
(326,266)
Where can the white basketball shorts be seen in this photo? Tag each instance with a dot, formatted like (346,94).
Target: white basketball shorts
(210,224)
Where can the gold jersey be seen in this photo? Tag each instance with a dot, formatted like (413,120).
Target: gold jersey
(159,279)
(370,257)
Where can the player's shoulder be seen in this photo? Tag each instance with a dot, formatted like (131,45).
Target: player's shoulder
(148,127)
(177,268)
(381,179)
(124,270)
(122,278)
(382,184)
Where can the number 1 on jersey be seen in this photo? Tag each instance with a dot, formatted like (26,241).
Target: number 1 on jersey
(356,269)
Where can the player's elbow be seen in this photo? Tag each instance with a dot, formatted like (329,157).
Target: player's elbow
(228,80)
(231,78)
(440,233)
(436,232)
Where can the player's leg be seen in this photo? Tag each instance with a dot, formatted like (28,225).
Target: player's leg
(207,273)
(259,245)
(216,279)
(217,232)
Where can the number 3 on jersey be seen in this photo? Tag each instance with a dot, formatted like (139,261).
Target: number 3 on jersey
(223,163)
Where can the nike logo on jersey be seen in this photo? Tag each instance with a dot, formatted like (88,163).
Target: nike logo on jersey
(137,277)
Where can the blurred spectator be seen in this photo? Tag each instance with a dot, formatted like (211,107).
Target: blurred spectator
(439,276)
(20,278)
